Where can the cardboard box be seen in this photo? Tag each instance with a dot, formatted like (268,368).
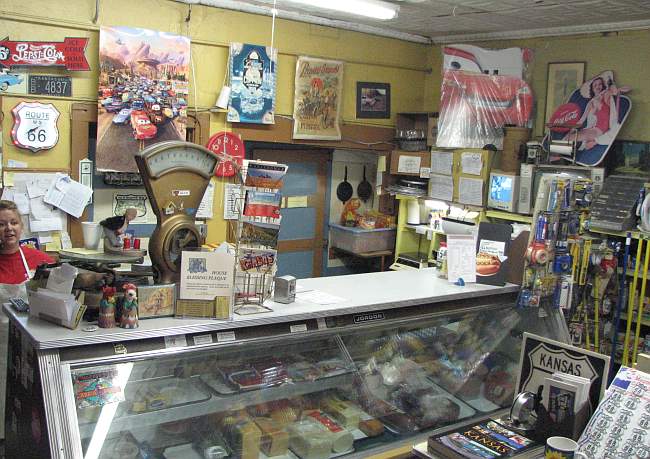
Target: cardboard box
(409,162)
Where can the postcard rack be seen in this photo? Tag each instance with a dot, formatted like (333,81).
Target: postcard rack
(258,226)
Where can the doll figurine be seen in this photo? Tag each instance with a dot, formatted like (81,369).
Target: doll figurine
(129,317)
(107,308)
(115,227)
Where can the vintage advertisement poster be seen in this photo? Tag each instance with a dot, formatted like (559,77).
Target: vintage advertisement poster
(252,80)
(317,100)
(142,95)
(592,118)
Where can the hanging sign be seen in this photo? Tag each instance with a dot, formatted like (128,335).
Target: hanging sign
(69,53)
(230,144)
(35,126)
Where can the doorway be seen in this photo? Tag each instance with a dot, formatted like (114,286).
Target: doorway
(302,243)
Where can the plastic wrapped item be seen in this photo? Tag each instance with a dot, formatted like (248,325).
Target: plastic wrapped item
(475,107)
(469,58)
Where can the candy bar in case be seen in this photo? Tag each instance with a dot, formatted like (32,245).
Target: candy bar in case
(256,375)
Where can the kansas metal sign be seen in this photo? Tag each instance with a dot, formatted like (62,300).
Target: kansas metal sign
(69,53)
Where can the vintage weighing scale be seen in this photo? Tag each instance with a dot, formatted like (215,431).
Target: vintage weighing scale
(175,175)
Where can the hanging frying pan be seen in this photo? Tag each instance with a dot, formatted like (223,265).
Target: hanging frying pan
(364,189)
(344,190)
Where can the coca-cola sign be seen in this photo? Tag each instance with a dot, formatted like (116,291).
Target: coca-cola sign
(69,53)
(565,117)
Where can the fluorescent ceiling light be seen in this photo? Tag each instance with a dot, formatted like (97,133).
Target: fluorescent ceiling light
(370,8)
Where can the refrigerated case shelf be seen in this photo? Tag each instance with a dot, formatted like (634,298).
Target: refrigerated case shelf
(218,403)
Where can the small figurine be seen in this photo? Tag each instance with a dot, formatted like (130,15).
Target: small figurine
(129,317)
(115,227)
(107,308)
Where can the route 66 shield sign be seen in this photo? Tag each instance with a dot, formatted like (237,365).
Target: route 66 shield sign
(35,126)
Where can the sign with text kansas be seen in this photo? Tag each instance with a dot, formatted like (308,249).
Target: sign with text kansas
(541,357)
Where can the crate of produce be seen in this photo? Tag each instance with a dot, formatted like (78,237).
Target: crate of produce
(357,240)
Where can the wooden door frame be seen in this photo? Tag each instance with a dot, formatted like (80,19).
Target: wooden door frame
(321,157)
(82,114)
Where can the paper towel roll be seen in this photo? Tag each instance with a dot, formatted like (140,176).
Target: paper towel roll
(561,149)
(413,212)
(224,96)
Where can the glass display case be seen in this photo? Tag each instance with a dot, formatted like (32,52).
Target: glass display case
(351,385)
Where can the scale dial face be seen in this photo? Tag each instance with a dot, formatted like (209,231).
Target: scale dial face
(180,239)
(173,157)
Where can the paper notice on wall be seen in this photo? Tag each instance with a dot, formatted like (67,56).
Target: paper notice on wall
(461,257)
(408,165)
(470,191)
(8,193)
(471,163)
(232,201)
(41,211)
(205,208)
(441,187)
(68,195)
(41,226)
(442,162)
(22,202)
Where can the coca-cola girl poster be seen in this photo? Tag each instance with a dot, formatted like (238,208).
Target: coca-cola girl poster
(592,117)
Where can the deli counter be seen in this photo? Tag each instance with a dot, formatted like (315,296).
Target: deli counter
(402,355)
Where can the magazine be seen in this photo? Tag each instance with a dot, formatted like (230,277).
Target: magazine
(486,440)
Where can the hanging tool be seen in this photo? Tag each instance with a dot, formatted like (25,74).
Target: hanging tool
(639,316)
(630,302)
(596,295)
(619,304)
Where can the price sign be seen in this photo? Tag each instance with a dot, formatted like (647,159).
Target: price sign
(35,126)
(50,85)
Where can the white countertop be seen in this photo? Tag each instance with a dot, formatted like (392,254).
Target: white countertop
(361,293)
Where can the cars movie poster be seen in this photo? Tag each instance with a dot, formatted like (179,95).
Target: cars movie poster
(252,79)
(142,93)
(317,99)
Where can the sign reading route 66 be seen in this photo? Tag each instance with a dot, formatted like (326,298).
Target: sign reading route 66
(35,126)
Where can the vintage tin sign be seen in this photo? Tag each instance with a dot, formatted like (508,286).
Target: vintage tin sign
(69,53)
(35,126)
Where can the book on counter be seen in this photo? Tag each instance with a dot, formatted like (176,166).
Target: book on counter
(484,440)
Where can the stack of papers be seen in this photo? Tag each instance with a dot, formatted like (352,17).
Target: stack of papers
(59,308)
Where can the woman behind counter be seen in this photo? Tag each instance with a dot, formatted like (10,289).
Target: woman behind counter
(17,264)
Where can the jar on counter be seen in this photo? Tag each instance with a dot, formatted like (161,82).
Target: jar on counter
(441,260)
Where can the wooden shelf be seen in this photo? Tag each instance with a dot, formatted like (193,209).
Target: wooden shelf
(635,234)
(502,215)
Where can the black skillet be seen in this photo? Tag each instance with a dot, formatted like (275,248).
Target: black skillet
(344,190)
(364,189)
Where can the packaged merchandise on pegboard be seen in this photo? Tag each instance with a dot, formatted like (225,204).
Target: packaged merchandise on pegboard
(552,268)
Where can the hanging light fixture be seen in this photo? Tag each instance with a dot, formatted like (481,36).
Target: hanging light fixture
(375,9)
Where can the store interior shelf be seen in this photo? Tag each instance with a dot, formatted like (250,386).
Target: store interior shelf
(635,234)
(508,216)
(219,403)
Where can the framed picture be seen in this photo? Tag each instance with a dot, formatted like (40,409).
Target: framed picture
(156,300)
(373,100)
(563,78)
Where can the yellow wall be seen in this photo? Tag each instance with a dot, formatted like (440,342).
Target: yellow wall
(626,53)
(367,57)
